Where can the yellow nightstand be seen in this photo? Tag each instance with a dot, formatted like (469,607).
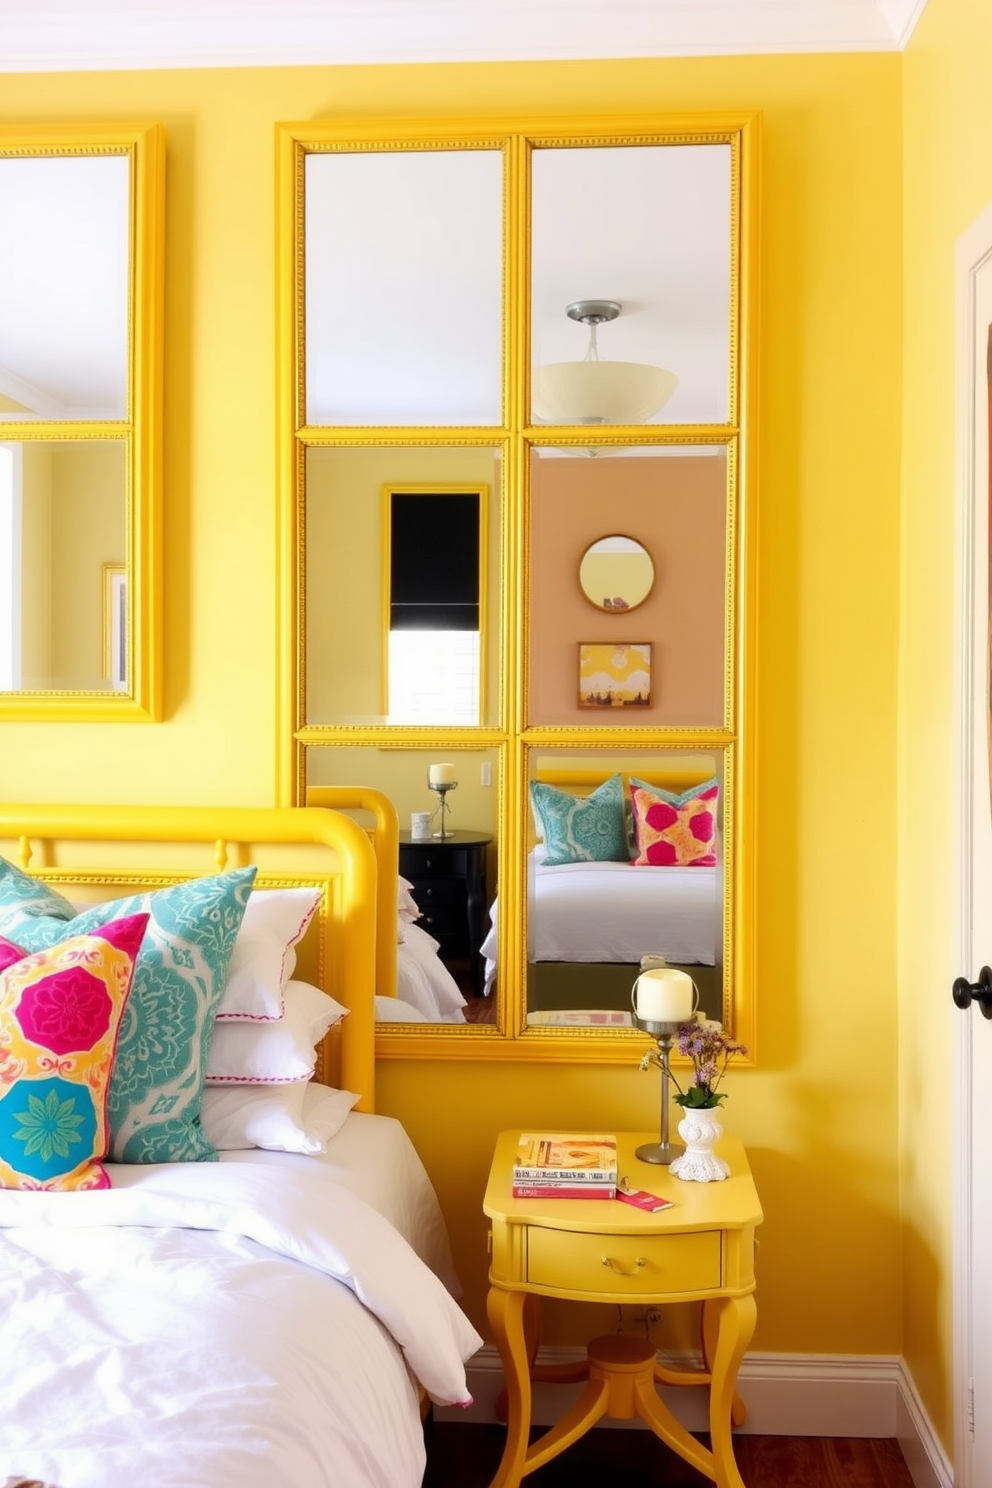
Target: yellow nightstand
(600,1250)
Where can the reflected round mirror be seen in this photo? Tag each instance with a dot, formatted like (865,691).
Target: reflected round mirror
(616,574)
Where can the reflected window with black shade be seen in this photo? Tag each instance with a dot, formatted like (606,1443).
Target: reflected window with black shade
(435,565)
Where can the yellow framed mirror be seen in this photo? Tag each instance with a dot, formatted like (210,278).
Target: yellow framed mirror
(481,356)
(81,291)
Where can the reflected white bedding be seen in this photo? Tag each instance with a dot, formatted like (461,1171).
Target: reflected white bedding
(616,912)
(234,1325)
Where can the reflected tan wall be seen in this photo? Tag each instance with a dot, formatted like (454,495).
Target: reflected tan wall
(676,506)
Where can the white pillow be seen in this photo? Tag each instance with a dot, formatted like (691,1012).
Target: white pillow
(300,1117)
(407,905)
(263,957)
(422,949)
(278,1051)
(395,1010)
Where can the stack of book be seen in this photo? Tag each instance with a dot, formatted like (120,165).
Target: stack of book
(560,1165)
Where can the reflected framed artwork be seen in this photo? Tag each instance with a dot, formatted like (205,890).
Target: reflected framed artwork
(614,674)
(115,624)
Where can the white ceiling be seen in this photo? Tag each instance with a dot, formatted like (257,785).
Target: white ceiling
(86,35)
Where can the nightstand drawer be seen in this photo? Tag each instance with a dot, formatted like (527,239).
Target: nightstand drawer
(441,891)
(623,1265)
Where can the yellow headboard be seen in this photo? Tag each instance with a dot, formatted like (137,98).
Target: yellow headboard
(106,851)
(385,835)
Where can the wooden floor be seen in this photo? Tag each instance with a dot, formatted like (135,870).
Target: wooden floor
(466,1456)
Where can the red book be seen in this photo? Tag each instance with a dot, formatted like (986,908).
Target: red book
(563,1191)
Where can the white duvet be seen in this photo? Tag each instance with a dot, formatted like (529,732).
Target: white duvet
(616,912)
(215,1325)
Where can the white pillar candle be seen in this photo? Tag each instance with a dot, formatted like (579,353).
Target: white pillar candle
(664,995)
(441,775)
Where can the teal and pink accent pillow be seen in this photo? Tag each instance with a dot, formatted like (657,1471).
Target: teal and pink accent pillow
(161,1062)
(675,831)
(581,829)
(60,1015)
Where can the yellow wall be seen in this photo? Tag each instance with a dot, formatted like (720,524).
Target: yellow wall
(820,1112)
(947,182)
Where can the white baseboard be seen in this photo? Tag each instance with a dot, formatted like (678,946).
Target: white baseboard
(785,1395)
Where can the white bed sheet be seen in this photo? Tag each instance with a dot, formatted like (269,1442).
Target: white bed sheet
(616,912)
(234,1325)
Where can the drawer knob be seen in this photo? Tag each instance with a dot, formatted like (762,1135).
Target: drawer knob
(624,1270)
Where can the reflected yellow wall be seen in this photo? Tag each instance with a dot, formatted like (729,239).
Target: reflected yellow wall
(841,963)
(346,607)
(88,531)
(36,546)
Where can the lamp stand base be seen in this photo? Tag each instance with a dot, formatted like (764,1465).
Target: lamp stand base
(660,1152)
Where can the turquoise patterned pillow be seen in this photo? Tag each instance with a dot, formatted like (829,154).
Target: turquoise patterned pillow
(581,829)
(153,1104)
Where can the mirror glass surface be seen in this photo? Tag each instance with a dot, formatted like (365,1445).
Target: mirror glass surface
(435,276)
(676,499)
(443,962)
(648,229)
(64,287)
(616,573)
(81,309)
(625,860)
(63,526)
(404,287)
(347,573)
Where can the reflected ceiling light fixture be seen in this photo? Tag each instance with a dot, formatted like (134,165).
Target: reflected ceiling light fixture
(595,392)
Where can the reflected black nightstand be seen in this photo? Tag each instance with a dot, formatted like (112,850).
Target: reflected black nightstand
(449,885)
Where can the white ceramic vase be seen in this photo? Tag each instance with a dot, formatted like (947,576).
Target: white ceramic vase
(699,1129)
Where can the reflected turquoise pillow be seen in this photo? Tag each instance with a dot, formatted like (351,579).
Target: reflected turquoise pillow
(581,829)
(153,1104)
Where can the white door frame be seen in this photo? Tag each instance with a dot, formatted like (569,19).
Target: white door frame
(973,252)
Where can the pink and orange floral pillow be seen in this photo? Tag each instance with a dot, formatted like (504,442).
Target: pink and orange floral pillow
(60,1012)
(673,831)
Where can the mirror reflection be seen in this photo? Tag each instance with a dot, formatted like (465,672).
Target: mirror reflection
(609,611)
(675,499)
(625,862)
(446,883)
(404,287)
(649,225)
(63,537)
(81,315)
(355,622)
(616,574)
(64,282)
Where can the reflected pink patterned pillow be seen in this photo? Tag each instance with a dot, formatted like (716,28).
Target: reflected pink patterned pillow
(675,831)
(60,1011)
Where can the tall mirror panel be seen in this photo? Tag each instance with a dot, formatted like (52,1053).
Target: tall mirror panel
(516,578)
(81,289)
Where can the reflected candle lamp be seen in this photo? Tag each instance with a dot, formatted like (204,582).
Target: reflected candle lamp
(441,779)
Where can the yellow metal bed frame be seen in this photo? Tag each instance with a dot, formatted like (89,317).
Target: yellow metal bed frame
(103,852)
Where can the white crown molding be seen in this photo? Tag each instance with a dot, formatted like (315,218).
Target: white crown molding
(114,35)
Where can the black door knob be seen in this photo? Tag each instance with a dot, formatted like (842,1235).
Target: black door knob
(965,992)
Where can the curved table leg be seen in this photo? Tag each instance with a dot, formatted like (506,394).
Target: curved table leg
(506,1318)
(730,1329)
(709,1324)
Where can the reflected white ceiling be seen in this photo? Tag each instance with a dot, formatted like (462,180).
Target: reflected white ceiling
(73,35)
